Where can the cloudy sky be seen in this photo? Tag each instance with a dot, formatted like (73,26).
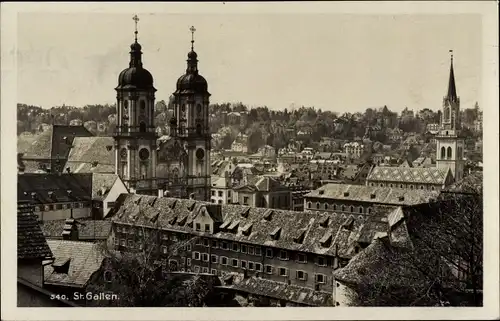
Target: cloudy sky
(339,62)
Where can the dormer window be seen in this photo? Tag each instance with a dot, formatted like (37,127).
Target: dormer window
(172,220)
(268,215)
(182,221)
(326,240)
(245,212)
(172,206)
(275,234)
(346,194)
(401,198)
(234,226)
(225,224)
(247,229)
(299,238)
(321,192)
(198,226)
(372,196)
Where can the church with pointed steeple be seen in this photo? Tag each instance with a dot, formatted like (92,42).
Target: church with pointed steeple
(450,143)
(135,136)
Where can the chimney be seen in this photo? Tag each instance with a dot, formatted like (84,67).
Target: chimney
(160,192)
(70,230)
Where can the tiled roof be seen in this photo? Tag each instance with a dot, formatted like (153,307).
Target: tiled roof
(53,188)
(25,141)
(219,182)
(263,184)
(41,145)
(87,229)
(63,136)
(299,231)
(101,184)
(369,194)
(408,175)
(31,243)
(85,259)
(470,184)
(282,291)
(92,155)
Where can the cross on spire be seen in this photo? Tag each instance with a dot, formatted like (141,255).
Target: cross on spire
(192,29)
(136,19)
(451,54)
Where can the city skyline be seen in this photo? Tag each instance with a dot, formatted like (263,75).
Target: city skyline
(410,54)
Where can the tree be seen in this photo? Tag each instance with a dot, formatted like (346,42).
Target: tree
(142,276)
(443,266)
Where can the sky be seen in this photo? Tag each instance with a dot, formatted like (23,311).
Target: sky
(337,62)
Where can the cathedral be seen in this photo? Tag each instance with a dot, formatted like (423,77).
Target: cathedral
(135,138)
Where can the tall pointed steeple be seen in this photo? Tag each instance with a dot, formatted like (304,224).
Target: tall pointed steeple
(452,89)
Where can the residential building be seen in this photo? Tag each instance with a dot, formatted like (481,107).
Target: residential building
(221,189)
(262,191)
(91,155)
(287,247)
(240,144)
(354,150)
(413,178)
(32,252)
(105,190)
(49,150)
(362,201)
(86,230)
(267,151)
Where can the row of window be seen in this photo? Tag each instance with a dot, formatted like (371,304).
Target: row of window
(221,193)
(283,255)
(55,207)
(251,266)
(410,186)
(342,208)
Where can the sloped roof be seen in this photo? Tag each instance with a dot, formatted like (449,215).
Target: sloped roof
(263,184)
(282,291)
(41,186)
(101,184)
(92,155)
(31,243)
(63,137)
(85,259)
(370,194)
(87,229)
(409,175)
(140,210)
(40,147)
(470,184)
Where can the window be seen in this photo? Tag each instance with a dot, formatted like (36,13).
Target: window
(321,261)
(245,200)
(196,256)
(207,227)
(250,265)
(317,205)
(198,241)
(117,241)
(258,251)
(283,271)
(236,247)
(343,208)
(204,270)
(224,245)
(188,247)
(234,263)
(258,267)
(108,276)
(130,243)
(205,257)
(165,249)
(206,243)
(188,262)
(213,271)
(174,238)
(448,153)
(243,264)
(196,269)
(213,193)
(301,275)
(269,269)
(220,194)
(334,207)
(309,205)
(320,278)
(214,243)
(443,153)
(223,260)
(269,253)
(198,226)
(214,259)
(301,258)
(369,210)
(283,255)
(360,210)
(183,261)
(251,250)
(243,248)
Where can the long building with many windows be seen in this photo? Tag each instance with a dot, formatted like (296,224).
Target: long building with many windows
(295,248)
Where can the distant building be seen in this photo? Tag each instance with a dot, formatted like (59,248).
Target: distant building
(240,144)
(422,178)
(262,191)
(354,150)
(360,200)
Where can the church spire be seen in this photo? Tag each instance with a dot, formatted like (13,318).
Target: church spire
(452,89)
(192,62)
(135,52)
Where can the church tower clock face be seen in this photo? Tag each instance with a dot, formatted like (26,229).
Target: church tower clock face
(144,154)
(200,153)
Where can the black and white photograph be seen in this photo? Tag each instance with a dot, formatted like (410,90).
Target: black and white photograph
(221,156)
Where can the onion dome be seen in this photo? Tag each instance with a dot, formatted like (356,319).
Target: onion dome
(135,77)
(192,81)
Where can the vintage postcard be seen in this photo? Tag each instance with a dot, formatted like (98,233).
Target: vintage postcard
(247,161)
